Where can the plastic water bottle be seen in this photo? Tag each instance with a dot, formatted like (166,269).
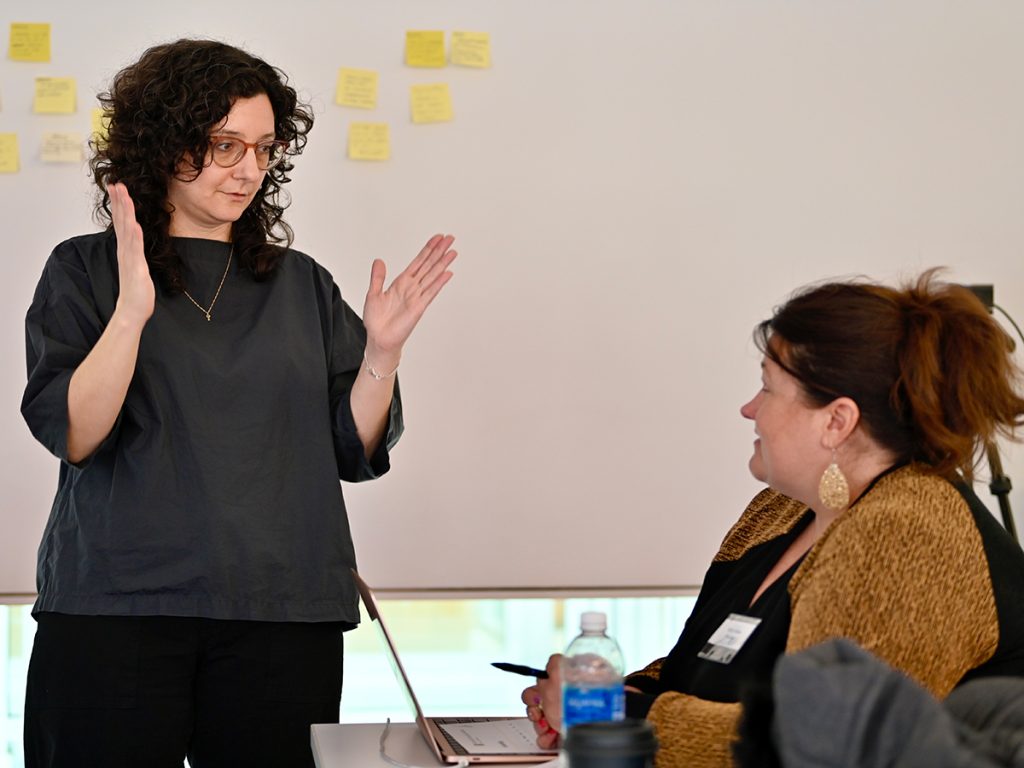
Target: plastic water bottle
(592,669)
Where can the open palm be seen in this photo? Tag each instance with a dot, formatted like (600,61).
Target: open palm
(391,314)
(137,295)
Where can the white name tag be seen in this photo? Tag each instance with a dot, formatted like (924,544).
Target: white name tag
(727,640)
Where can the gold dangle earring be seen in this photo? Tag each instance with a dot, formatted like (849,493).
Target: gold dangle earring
(833,490)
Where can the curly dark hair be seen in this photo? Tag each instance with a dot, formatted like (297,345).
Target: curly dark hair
(160,111)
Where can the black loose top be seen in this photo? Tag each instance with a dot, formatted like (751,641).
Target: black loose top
(216,493)
(729,587)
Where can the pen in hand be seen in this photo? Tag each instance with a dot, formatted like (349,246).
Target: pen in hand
(520,669)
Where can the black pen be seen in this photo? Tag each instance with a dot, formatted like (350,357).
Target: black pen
(520,669)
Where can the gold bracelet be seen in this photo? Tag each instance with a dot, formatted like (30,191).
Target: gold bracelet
(375,373)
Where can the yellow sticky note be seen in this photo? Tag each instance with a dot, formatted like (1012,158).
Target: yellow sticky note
(424,49)
(55,95)
(61,148)
(29,42)
(369,141)
(430,103)
(471,49)
(357,88)
(99,124)
(8,153)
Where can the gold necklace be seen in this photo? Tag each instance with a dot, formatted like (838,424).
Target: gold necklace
(224,277)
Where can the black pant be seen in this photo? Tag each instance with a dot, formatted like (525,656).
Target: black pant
(126,691)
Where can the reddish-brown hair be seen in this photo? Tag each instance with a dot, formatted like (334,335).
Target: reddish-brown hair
(931,371)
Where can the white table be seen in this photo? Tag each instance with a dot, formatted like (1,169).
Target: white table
(358,746)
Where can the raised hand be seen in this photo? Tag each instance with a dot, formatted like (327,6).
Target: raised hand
(98,386)
(137,296)
(391,315)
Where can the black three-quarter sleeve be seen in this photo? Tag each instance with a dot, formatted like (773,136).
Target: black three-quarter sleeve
(63,323)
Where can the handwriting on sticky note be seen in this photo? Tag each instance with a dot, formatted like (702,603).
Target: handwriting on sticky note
(29,42)
(61,148)
(430,103)
(8,153)
(471,49)
(357,88)
(54,95)
(424,48)
(369,141)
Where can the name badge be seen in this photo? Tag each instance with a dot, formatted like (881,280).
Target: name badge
(727,640)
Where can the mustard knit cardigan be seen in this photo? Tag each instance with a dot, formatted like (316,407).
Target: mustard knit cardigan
(902,573)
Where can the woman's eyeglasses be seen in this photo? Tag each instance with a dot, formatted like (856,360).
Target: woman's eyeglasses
(228,151)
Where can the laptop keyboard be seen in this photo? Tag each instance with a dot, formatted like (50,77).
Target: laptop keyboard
(453,742)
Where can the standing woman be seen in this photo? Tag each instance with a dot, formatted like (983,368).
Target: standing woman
(205,387)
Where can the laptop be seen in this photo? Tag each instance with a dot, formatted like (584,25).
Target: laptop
(459,739)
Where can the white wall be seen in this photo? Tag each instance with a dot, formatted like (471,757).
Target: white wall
(634,184)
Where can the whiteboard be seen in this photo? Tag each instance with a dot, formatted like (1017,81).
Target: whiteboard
(633,184)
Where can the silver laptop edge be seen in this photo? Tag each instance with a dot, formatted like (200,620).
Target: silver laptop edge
(428,729)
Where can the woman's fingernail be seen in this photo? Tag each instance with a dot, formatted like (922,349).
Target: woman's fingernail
(536,700)
(544,724)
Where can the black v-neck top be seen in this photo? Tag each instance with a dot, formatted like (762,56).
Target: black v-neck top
(729,588)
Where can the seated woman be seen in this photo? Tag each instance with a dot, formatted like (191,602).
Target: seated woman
(875,405)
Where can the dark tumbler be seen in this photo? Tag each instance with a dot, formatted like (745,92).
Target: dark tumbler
(628,743)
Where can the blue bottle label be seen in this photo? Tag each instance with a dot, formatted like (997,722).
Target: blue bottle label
(586,704)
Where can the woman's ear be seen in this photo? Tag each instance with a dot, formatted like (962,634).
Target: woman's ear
(843,416)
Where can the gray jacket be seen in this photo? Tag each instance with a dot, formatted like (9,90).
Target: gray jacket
(837,706)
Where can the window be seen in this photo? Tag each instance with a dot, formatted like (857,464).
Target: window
(446,645)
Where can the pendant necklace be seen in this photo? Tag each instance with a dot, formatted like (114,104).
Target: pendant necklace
(224,277)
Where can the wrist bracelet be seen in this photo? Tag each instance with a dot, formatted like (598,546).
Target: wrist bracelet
(375,373)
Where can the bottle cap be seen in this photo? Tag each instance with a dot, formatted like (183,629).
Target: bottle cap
(593,621)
